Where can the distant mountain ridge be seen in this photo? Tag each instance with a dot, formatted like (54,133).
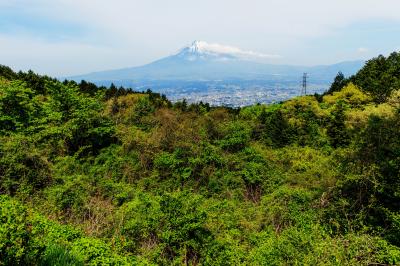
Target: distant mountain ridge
(202,61)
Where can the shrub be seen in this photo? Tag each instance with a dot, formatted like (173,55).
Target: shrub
(23,167)
(350,94)
(236,136)
(15,236)
(18,107)
(58,255)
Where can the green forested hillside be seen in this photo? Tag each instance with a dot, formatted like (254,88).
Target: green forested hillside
(108,176)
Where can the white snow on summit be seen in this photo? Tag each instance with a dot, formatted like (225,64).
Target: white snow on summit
(204,50)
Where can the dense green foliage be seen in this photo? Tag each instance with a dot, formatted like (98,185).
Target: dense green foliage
(107,176)
(379,77)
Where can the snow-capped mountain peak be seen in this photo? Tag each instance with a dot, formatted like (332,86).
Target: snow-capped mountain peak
(198,46)
(201,50)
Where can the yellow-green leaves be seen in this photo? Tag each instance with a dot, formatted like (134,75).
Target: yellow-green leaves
(350,94)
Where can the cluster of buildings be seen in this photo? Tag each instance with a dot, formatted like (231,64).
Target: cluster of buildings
(238,96)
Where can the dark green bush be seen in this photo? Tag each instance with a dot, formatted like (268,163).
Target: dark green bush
(236,136)
(23,167)
(58,255)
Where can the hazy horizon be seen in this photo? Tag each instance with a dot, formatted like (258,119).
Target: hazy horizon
(62,38)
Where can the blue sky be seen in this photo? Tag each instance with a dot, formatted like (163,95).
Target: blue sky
(67,37)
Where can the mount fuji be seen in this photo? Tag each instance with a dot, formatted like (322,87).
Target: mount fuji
(202,70)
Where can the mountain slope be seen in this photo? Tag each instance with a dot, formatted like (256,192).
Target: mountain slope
(201,61)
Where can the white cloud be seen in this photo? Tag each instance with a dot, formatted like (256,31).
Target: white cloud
(206,47)
(362,50)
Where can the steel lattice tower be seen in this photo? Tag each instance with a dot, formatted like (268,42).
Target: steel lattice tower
(304,87)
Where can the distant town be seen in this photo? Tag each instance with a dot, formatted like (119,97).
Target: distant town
(239,95)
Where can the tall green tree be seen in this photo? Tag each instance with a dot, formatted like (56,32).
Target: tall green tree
(339,82)
(380,76)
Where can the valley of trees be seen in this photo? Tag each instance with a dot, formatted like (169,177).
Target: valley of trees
(108,176)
